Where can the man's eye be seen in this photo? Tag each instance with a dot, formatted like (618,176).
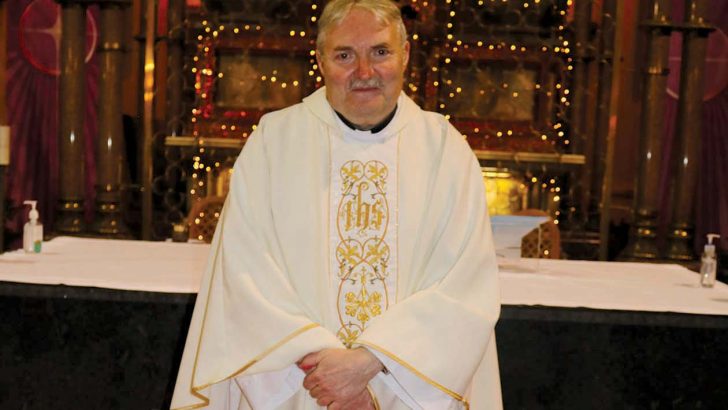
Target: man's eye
(342,56)
(381,52)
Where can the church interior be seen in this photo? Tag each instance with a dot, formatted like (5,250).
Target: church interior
(608,119)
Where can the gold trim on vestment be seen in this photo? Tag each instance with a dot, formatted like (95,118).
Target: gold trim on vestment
(329,199)
(194,406)
(374,398)
(213,263)
(206,401)
(417,372)
(396,217)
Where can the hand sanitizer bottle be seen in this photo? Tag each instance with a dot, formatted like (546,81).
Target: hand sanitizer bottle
(708,263)
(32,231)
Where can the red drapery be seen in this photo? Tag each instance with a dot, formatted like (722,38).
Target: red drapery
(34,32)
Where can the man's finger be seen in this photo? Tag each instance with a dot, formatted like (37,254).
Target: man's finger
(322,397)
(315,392)
(309,361)
(306,368)
(324,401)
(310,381)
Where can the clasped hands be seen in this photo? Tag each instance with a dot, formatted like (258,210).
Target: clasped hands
(338,378)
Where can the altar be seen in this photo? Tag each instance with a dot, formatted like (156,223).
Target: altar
(100,324)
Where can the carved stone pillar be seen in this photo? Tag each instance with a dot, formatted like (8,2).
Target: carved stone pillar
(3,116)
(110,143)
(642,242)
(175,66)
(604,94)
(4,162)
(71,118)
(582,55)
(147,174)
(579,181)
(171,185)
(3,61)
(689,115)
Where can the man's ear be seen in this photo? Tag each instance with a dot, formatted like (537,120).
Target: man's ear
(405,60)
(320,61)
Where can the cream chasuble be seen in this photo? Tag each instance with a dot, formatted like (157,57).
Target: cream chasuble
(335,238)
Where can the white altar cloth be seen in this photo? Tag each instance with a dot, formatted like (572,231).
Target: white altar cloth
(114,264)
(177,268)
(613,285)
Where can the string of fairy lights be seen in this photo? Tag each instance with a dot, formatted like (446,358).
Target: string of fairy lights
(555,135)
(206,74)
(439,79)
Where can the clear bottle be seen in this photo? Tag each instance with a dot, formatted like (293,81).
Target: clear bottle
(32,231)
(708,264)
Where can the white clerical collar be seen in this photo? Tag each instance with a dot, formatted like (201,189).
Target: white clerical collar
(368,135)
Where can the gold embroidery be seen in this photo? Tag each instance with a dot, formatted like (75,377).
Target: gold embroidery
(362,253)
(363,305)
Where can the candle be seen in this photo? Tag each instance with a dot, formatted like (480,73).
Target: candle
(4,145)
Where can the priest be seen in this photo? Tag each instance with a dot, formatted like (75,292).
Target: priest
(353,265)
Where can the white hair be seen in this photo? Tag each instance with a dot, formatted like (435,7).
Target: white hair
(385,12)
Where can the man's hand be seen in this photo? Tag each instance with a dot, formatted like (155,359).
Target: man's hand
(339,376)
(361,402)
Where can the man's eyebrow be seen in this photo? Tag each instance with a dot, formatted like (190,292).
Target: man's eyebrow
(348,48)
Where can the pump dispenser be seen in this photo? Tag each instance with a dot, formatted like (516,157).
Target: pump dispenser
(33,230)
(708,263)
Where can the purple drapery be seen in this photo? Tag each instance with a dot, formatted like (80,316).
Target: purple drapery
(32,101)
(711,192)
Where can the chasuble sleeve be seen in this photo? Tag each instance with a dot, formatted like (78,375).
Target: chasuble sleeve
(248,319)
(442,325)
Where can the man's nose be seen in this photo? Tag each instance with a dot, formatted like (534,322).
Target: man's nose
(364,68)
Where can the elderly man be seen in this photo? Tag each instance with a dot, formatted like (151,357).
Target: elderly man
(353,265)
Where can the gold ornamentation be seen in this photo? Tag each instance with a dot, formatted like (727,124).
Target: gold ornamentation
(362,254)
(363,305)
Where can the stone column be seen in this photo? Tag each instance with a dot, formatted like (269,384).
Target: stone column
(72,94)
(4,162)
(169,184)
(642,241)
(3,61)
(689,116)
(613,19)
(579,181)
(175,66)
(147,174)
(3,116)
(604,94)
(110,142)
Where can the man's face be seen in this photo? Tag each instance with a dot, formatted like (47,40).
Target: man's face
(363,64)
